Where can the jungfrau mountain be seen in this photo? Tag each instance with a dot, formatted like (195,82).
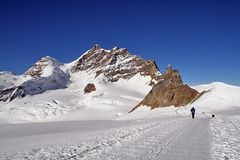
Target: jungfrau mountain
(101,84)
(116,64)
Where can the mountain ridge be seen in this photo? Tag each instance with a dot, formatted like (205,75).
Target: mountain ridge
(48,73)
(100,84)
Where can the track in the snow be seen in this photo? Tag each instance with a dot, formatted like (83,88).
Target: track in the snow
(173,138)
(182,139)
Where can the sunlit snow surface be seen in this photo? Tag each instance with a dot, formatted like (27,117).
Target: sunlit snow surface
(107,131)
(164,137)
(107,102)
(69,124)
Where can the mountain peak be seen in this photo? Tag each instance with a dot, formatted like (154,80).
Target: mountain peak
(115,64)
(97,46)
(169,91)
(47,59)
(45,62)
(172,74)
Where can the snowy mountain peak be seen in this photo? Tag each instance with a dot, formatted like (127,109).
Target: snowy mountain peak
(115,64)
(45,74)
(43,68)
(83,90)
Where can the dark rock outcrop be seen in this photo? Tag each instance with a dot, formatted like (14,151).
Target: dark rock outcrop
(169,91)
(9,94)
(89,88)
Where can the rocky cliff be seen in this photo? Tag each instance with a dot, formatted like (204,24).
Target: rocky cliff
(115,64)
(170,91)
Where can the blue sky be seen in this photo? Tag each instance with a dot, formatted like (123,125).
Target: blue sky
(200,38)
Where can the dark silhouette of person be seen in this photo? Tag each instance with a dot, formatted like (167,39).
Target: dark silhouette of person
(193,112)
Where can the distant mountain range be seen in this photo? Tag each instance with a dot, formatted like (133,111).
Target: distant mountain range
(108,83)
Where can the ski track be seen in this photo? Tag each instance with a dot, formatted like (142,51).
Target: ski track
(179,138)
(182,140)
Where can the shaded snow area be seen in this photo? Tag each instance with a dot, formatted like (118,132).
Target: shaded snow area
(218,96)
(45,75)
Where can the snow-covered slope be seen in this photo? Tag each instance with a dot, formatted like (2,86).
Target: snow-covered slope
(7,79)
(109,101)
(44,75)
(218,96)
(53,90)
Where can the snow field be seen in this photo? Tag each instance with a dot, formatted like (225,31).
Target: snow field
(226,139)
(152,139)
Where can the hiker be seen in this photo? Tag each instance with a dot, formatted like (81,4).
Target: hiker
(193,112)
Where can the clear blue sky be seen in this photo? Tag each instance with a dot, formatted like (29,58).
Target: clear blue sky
(200,38)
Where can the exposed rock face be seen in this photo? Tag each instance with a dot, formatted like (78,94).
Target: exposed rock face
(89,88)
(169,91)
(115,64)
(37,70)
(12,93)
(49,74)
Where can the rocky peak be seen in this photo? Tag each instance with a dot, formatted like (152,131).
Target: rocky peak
(170,91)
(95,48)
(37,69)
(172,75)
(169,69)
(115,64)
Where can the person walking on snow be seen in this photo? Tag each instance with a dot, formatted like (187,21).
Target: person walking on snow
(193,112)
